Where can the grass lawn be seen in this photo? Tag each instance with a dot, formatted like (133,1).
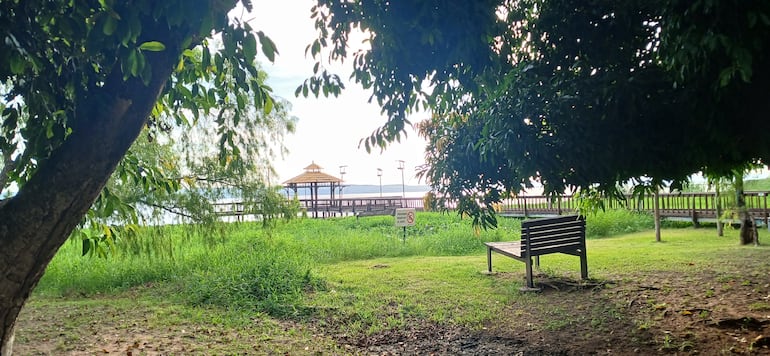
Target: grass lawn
(428,295)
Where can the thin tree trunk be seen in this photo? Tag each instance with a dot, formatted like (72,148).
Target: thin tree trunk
(39,219)
(656,213)
(747,229)
(719,211)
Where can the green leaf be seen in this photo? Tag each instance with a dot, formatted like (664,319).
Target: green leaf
(86,246)
(268,104)
(152,46)
(250,48)
(17,64)
(268,46)
(206,58)
(316,49)
(110,25)
(133,63)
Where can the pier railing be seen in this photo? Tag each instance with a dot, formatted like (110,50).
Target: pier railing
(694,206)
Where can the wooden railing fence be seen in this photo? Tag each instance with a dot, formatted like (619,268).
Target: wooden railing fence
(695,206)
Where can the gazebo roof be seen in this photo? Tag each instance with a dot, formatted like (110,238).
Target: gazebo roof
(313,174)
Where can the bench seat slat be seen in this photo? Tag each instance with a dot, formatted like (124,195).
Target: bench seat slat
(515,249)
(510,249)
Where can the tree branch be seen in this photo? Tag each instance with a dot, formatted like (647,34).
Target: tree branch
(167,209)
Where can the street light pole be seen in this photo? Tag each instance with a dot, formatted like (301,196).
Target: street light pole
(379,174)
(342,177)
(403,187)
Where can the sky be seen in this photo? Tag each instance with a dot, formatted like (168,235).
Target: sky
(328,130)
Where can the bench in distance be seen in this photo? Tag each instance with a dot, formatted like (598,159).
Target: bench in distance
(563,234)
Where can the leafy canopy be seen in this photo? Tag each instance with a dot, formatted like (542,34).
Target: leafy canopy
(55,55)
(575,94)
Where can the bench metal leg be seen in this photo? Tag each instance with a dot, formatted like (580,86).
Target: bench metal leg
(583,265)
(489,259)
(530,282)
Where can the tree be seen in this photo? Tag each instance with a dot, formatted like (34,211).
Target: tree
(179,174)
(83,78)
(651,188)
(718,183)
(173,175)
(748,228)
(583,94)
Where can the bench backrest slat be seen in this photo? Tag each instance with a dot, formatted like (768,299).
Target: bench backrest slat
(571,249)
(550,235)
(551,221)
(574,231)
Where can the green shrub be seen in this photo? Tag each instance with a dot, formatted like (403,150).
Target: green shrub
(251,275)
(246,270)
(429,202)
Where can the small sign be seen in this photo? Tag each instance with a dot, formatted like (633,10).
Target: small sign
(405,217)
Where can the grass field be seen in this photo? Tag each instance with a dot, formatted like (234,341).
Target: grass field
(337,286)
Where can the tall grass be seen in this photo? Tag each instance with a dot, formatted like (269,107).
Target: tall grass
(255,269)
(434,234)
(244,271)
(616,222)
(251,275)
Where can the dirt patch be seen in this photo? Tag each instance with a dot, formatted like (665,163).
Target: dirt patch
(644,313)
(423,337)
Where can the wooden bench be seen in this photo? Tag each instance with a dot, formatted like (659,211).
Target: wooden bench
(564,234)
(388,208)
(377,212)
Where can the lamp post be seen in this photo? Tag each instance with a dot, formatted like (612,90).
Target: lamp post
(403,187)
(342,177)
(379,174)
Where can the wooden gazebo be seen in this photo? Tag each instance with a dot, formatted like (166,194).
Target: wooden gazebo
(313,178)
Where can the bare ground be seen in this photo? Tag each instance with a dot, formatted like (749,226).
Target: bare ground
(709,312)
(645,314)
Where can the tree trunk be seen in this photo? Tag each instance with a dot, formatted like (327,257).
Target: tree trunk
(719,211)
(656,213)
(748,230)
(39,219)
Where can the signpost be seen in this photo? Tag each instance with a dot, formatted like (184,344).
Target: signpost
(404,218)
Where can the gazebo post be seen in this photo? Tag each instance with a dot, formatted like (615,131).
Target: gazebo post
(314,198)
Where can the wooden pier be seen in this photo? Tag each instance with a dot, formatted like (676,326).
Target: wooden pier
(695,207)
